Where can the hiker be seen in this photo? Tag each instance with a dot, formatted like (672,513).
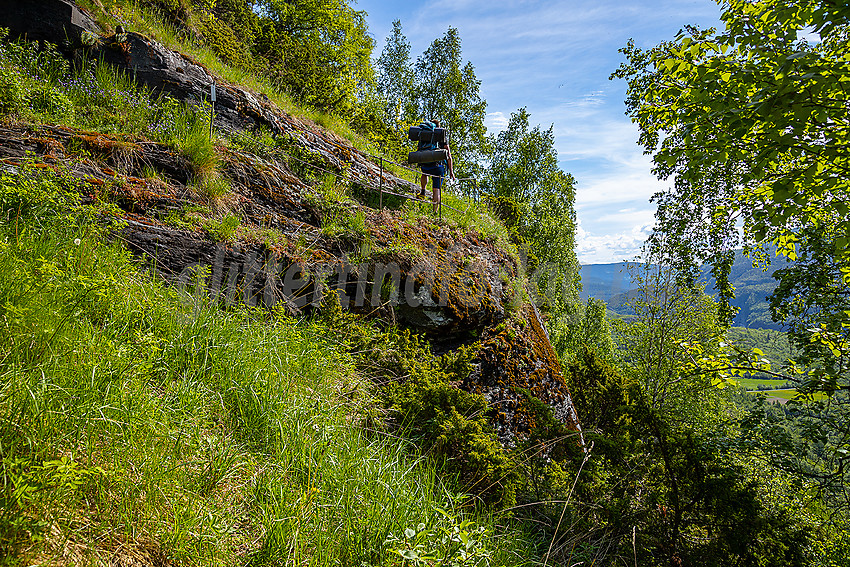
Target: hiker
(437,171)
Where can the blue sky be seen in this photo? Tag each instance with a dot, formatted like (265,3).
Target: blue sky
(554,57)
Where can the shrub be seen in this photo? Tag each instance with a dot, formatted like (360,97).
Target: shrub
(11,92)
(448,424)
(452,425)
(224,229)
(48,100)
(32,193)
(226,44)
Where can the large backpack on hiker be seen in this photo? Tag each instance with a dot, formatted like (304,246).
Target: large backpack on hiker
(428,138)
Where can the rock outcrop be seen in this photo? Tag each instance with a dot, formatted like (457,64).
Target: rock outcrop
(56,21)
(454,286)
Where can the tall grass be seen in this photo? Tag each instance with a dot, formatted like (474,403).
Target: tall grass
(135,418)
(38,85)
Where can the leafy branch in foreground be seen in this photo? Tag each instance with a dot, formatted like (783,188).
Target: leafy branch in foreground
(752,123)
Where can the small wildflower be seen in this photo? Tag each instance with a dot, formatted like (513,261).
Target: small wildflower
(77,242)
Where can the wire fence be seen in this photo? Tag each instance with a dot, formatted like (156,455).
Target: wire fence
(381,161)
(384,191)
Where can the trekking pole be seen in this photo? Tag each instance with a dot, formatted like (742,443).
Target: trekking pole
(381,198)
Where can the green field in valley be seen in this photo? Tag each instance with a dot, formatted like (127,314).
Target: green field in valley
(754,383)
(779,389)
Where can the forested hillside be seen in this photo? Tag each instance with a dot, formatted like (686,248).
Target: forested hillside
(231,334)
(753,285)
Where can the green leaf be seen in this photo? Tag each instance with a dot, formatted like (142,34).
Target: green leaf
(781,192)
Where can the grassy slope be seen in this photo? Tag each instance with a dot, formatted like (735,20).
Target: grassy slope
(135,419)
(138,421)
(138,17)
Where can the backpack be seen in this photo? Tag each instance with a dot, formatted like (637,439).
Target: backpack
(426,142)
(428,138)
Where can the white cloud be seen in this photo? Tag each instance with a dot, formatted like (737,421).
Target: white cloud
(588,131)
(644,217)
(590,100)
(609,248)
(495,122)
(616,186)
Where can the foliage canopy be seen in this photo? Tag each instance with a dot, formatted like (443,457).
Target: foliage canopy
(751,123)
(752,126)
(319,49)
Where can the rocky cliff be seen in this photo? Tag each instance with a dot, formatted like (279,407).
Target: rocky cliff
(451,284)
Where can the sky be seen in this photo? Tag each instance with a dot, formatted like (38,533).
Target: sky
(554,57)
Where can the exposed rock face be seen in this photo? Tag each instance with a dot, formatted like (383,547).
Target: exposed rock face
(517,357)
(57,21)
(167,71)
(452,285)
(267,193)
(433,293)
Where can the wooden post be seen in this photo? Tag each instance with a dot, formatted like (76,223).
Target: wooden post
(440,206)
(212,108)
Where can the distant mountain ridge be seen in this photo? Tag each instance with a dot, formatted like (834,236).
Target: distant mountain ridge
(612,284)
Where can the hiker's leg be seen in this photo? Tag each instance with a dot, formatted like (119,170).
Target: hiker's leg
(423,181)
(437,185)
